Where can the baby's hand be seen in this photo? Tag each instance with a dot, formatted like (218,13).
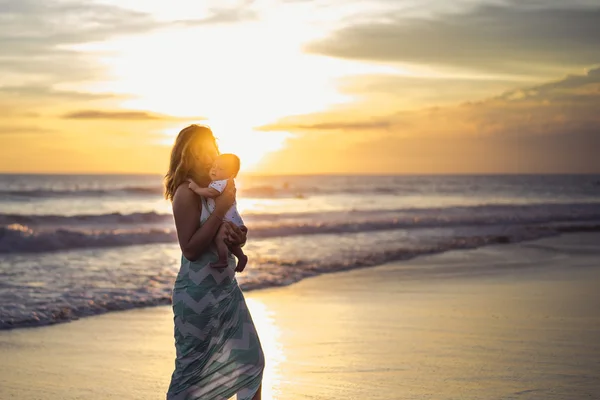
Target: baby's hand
(193,185)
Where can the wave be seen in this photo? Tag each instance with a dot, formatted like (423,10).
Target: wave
(51,193)
(72,306)
(266,192)
(287,273)
(85,219)
(339,221)
(22,239)
(253,192)
(20,236)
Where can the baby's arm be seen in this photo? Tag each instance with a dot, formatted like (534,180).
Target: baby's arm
(205,192)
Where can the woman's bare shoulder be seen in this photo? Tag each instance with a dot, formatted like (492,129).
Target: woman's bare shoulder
(184,197)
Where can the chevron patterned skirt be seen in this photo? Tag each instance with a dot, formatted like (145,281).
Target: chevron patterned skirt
(218,351)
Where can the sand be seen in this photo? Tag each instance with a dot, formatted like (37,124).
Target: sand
(519,321)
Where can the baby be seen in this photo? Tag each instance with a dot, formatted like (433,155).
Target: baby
(225,167)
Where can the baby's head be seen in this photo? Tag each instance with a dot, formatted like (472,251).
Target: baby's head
(225,166)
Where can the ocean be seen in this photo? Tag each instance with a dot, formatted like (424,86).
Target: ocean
(78,245)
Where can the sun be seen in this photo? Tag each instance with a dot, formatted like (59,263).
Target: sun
(231,77)
(251,146)
(232,89)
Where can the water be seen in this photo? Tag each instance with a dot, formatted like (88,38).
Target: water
(72,246)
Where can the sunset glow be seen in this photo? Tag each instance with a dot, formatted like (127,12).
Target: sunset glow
(300,87)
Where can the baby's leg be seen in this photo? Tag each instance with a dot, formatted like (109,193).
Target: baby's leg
(242,258)
(221,248)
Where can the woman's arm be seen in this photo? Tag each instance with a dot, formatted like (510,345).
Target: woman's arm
(193,238)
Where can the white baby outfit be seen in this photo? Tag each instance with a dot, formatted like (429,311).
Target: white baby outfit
(232,214)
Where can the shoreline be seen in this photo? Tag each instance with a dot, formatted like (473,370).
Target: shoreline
(525,327)
(65,316)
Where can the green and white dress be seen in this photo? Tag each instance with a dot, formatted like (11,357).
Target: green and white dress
(218,350)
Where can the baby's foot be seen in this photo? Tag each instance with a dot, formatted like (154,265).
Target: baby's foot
(219,265)
(242,261)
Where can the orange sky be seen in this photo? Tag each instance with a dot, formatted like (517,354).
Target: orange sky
(337,86)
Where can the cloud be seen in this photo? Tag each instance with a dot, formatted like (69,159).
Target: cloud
(567,104)
(383,91)
(36,35)
(21,130)
(10,111)
(572,88)
(32,101)
(569,152)
(32,25)
(48,93)
(552,127)
(516,37)
(40,53)
(329,126)
(39,39)
(117,115)
(226,15)
(123,115)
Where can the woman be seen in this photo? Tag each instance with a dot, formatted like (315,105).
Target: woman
(218,350)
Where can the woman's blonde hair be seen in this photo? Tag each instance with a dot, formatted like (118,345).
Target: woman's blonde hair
(181,166)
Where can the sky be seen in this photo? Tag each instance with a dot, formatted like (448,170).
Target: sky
(301,86)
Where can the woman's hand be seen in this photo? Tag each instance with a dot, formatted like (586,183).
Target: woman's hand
(224,202)
(236,235)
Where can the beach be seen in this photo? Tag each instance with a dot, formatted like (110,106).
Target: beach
(415,184)
(516,321)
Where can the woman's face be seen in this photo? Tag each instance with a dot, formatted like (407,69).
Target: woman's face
(204,156)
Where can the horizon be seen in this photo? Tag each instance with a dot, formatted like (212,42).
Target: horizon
(474,87)
(242,175)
